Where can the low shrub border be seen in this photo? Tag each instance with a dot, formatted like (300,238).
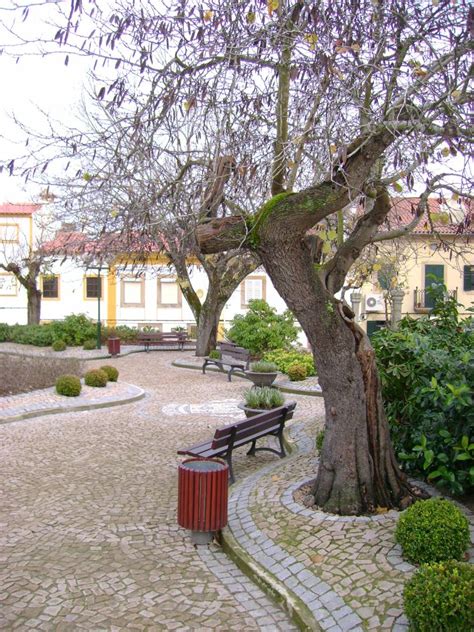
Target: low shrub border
(68,385)
(297,372)
(96,377)
(111,372)
(59,345)
(433,530)
(440,597)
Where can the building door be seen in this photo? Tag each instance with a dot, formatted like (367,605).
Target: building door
(433,274)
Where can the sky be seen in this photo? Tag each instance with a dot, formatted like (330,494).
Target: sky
(31,84)
(36,82)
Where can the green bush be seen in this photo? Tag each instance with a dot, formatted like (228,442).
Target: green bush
(89,344)
(433,530)
(59,345)
(96,377)
(427,371)
(75,329)
(4,332)
(440,597)
(297,372)
(111,372)
(125,333)
(262,366)
(262,329)
(284,358)
(264,397)
(69,385)
(319,440)
(214,354)
(38,335)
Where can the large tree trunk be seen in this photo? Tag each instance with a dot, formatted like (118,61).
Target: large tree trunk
(208,327)
(358,471)
(34,305)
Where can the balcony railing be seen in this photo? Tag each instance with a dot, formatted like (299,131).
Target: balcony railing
(424,303)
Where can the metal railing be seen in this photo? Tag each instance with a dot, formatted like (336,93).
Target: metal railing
(424,302)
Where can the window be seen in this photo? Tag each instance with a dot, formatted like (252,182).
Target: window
(252,288)
(133,292)
(468,278)
(8,285)
(93,287)
(169,293)
(50,286)
(9,232)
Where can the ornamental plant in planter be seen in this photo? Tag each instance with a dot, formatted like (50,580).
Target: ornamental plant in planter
(262,373)
(260,399)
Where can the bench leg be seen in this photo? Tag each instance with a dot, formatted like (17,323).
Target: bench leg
(281,452)
(229,375)
(204,367)
(251,452)
(228,458)
(282,446)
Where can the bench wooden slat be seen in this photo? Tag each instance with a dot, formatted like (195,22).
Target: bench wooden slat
(247,431)
(231,356)
(162,338)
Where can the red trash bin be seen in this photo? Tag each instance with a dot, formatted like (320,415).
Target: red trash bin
(202,497)
(113,345)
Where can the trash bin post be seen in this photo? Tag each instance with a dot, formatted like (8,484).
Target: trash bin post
(202,497)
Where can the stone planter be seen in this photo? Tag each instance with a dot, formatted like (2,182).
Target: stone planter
(261,379)
(251,412)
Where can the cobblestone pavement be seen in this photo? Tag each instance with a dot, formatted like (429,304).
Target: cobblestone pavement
(91,540)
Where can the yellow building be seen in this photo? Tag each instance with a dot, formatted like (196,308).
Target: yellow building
(440,249)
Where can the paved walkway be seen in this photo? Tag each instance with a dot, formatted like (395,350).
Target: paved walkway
(89,535)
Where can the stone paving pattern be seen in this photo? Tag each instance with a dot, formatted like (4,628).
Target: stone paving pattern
(90,539)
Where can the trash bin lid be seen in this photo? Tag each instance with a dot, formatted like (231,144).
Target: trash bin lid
(200,465)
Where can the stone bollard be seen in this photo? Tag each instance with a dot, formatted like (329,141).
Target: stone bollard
(397,301)
(356,299)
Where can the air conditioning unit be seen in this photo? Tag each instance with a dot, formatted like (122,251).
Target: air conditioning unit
(374,303)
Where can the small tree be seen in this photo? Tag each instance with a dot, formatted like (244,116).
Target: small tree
(262,329)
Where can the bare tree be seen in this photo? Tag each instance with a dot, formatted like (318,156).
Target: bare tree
(26,261)
(328,103)
(132,193)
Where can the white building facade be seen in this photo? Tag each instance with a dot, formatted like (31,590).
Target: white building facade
(118,294)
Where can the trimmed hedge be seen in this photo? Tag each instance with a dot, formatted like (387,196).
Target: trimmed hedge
(111,372)
(96,377)
(440,597)
(89,345)
(68,385)
(433,530)
(297,372)
(59,345)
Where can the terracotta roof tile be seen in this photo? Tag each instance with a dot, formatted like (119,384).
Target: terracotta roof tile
(459,216)
(19,209)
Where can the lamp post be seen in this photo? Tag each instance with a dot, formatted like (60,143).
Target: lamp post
(99,268)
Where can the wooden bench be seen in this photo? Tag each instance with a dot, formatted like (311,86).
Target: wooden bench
(233,357)
(225,440)
(157,338)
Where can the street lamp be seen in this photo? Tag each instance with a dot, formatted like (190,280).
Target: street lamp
(99,268)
